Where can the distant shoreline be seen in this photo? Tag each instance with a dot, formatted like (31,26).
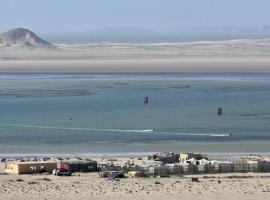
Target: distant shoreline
(189,65)
(122,154)
(238,56)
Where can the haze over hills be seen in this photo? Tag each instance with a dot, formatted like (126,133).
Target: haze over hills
(144,35)
(22,50)
(21,37)
(25,38)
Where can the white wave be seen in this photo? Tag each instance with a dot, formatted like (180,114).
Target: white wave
(196,134)
(78,154)
(113,130)
(78,129)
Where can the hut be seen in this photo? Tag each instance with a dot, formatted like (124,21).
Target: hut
(79,166)
(29,167)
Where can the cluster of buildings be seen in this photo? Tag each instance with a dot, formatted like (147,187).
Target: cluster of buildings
(181,158)
(34,167)
(195,163)
(160,164)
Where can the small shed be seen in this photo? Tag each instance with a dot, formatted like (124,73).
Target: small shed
(29,167)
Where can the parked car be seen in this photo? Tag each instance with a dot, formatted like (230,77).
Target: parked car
(62,172)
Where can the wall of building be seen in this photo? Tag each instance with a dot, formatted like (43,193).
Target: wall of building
(30,168)
(12,168)
(183,158)
(79,167)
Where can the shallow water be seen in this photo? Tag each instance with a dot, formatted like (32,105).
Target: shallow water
(89,113)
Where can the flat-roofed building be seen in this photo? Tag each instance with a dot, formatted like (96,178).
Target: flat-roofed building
(79,166)
(185,157)
(29,167)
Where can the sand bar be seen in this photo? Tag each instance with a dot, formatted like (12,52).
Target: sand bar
(230,56)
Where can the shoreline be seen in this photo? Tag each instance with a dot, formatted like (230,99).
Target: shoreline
(123,155)
(117,149)
(181,65)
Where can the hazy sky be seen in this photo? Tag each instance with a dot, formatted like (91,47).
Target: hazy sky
(45,16)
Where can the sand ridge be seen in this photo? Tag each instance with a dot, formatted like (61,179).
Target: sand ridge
(223,56)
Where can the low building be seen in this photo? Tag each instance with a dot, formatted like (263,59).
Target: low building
(79,166)
(167,157)
(29,167)
(185,157)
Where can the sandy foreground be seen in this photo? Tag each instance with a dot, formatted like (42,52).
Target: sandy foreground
(91,186)
(229,56)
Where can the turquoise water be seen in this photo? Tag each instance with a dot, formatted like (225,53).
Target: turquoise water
(105,113)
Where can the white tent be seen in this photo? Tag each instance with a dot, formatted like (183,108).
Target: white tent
(203,161)
(192,161)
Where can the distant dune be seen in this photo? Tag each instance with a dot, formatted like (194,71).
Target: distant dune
(22,38)
(23,51)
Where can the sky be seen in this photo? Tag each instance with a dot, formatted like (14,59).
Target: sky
(57,16)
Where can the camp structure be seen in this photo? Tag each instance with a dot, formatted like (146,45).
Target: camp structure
(185,157)
(29,167)
(79,166)
(166,157)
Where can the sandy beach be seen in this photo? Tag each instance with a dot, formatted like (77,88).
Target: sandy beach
(135,100)
(91,186)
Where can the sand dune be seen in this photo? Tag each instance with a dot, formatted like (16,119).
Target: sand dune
(226,56)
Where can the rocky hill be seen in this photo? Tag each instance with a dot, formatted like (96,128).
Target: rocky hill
(23,38)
